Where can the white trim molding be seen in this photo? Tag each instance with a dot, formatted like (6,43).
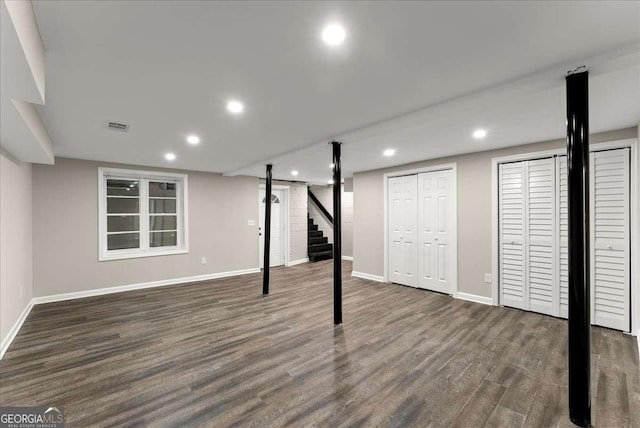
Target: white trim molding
(368,276)
(474,298)
(8,339)
(298,262)
(142,285)
(454,232)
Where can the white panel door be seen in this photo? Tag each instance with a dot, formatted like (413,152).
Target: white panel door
(277,244)
(610,245)
(512,216)
(435,206)
(541,237)
(403,225)
(563,236)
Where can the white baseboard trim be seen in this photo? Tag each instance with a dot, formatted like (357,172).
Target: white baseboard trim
(474,298)
(368,276)
(6,341)
(298,262)
(152,284)
(347,258)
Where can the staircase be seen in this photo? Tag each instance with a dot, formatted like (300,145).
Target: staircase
(318,248)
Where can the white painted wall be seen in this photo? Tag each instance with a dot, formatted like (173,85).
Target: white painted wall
(16,278)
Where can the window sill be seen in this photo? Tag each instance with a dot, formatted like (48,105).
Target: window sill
(124,256)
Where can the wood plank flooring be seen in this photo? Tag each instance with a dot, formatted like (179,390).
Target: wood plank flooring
(218,353)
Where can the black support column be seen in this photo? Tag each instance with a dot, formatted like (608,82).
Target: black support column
(337,235)
(267,232)
(579,289)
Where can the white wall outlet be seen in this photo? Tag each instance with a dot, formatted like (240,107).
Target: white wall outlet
(251,223)
(203,260)
(487,278)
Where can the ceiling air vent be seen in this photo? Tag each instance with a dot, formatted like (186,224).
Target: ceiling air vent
(116,126)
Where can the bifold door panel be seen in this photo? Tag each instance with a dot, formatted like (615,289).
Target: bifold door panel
(403,225)
(420,209)
(434,224)
(610,243)
(540,219)
(533,236)
(512,210)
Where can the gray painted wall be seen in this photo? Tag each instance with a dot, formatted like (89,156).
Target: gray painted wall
(65,230)
(325,196)
(16,277)
(474,211)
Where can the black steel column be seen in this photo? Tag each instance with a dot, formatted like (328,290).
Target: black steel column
(267,232)
(579,290)
(337,235)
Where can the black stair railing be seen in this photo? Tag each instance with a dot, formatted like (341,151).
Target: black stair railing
(321,207)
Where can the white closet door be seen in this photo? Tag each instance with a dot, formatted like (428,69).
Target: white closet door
(403,225)
(610,250)
(541,237)
(512,209)
(435,206)
(563,226)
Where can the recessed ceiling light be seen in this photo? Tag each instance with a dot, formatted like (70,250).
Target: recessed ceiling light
(389,152)
(294,173)
(170,156)
(479,133)
(193,139)
(235,107)
(334,34)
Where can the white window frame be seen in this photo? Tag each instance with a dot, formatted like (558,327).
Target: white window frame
(143,177)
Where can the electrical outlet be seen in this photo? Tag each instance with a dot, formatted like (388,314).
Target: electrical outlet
(487,278)
(203,260)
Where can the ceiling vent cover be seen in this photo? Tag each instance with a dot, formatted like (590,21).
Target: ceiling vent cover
(116,126)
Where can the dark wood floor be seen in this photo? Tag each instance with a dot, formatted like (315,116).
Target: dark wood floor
(219,354)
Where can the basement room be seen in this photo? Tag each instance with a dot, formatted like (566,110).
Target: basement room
(319,213)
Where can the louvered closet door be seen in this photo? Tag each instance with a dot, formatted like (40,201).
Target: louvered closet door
(563,226)
(541,236)
(512,214)
(610,245)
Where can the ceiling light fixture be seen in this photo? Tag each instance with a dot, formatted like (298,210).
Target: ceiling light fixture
(331,166)
(294,173)
(330,181)
(334,34)
(193,139)
(170,156)
(389,152)
(235,107)
(479,133)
